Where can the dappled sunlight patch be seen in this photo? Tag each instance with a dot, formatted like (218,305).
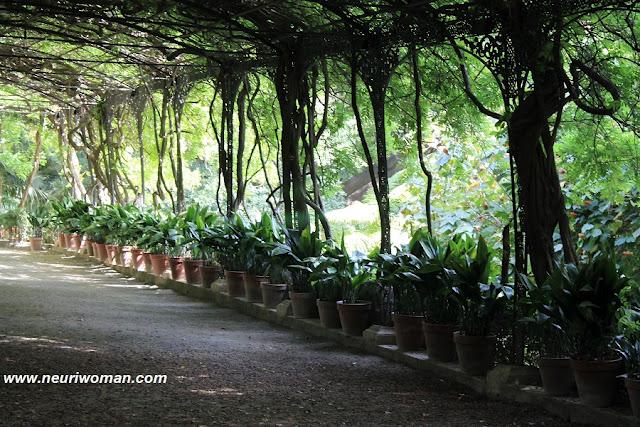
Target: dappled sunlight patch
(20,278)
(65,266)
(223,391)
(135,286)
(45,342)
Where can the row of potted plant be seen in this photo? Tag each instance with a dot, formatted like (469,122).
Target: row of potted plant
(444,295)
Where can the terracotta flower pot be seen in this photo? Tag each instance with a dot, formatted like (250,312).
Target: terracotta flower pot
(408,329)
(61,240)
(596,381)
(126,257)
(439,341)
(94,247)
(235,283)
(35,243)
(252,288)
(67,240)
(112,254)
(475,354)
(76,240)
(192,270)
(89,248)
(272,293)
(633,389)
(354,318)
(159,263)
(303,305)
(118,250)
(328,312)
(137,262)
(101,252)
(146,258)
(176,264)
(210,274)
(557,376)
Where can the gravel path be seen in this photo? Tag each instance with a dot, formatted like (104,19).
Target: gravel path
(60,315)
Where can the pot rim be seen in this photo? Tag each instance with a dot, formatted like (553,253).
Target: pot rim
(632,383)
(411,316)
(458,337)
(446,327)
(358,304)
(325,302)
(306,294)
(282,286)
(596,365)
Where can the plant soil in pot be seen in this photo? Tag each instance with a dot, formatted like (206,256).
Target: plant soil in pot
(35,243)
(408,329)
(596,381)
(354,317)
(476,354)
(146,258)
(192,270)
(176,264)
(137,261)
(633,389)
(439,341)
(210,273)
(328,312)
(303,305)
(272,293)
(557,376)
(158,263)
(235,283)
(252,288)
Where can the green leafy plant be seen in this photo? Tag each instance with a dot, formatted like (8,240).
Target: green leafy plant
(225,239)
(290,255)
(69,214)
(538,309)
(587,297)
(163,236)
(479,300)
(38,217)
(433,278)
(627,344)
(331,272)
(196,223)
(397,272)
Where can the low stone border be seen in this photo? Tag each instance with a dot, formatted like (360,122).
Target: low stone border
(504,382)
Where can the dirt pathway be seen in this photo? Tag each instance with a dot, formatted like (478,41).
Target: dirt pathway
(60,315)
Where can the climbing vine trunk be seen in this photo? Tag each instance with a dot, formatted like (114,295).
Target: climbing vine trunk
(377,102)
(288,80)
(242,123)
(36,162)
(532,145)
(230,84)
(376,65)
